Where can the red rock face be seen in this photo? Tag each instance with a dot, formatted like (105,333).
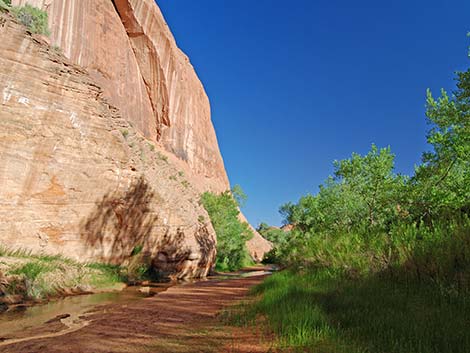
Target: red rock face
(90,34)
(257,246)
(78,179)
(129,53)
(129,50)
(179,102)
(287,228)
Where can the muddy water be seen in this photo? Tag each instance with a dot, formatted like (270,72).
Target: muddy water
(19,324)
(70,311)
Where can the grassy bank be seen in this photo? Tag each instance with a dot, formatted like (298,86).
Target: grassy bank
(323,311)
(26,276)
(382,258)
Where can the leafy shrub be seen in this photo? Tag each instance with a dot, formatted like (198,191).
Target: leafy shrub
(139,267)
(275,235)
(162,157)
(232,234)
(36,20)
(278,237)
(5,5)
(137,250)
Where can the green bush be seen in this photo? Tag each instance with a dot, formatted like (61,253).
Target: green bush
(278,237)
(4,5)
(36,20)
(232,234)
(275,235)
(162,157)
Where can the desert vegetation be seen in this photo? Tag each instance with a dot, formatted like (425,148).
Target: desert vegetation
(33,18)
(36,20)
(28,276)
(4,5)
(232,234)
(378,261)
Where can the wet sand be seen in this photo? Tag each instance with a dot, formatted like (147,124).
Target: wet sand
(181,319)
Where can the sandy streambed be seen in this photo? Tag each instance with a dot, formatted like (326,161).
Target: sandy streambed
(126,321)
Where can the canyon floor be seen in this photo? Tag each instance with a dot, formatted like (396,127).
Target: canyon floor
(184,318)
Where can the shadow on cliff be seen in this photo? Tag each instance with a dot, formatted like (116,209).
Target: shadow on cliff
(123,221)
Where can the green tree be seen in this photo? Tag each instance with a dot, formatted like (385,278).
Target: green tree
(262,227)
(232,233)
(239,195)
(364,191)
(275,235)
(371,181)
(441,185)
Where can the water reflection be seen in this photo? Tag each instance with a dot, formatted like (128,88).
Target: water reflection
(26,317)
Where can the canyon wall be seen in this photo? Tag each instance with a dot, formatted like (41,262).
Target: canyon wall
(106,139)
(127,47)
(78,179)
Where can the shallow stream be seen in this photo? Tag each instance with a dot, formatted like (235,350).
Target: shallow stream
(71,312)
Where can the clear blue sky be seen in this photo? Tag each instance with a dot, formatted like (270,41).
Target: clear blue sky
(297,84)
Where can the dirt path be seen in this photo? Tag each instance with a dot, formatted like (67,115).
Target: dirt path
(182,319)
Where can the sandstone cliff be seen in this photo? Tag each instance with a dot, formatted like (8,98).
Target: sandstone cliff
(108,146)
(127,47)
(78,179)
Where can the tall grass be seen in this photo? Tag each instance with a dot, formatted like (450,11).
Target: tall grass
(40,276)
(17,252)
(105,274)
(324,311)
(29,254)
(31,270)
(405,289)
(438,253)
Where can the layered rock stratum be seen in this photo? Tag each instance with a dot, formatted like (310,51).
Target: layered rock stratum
(127,47)
(107,142)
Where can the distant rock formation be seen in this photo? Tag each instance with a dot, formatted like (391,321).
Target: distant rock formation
(287,227)
(257,246)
